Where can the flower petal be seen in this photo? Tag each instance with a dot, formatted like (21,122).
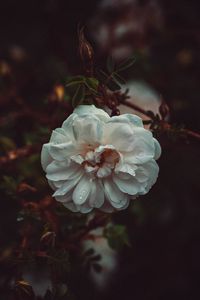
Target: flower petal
(68,126)
(88,130)
(85,208)
(63,151)
(64,199)
(143,147)
(82,191)
(104,171)
(57,170)
(107,207)
(59,136)
(96,197)
(77,158)
(71,206)
(129,186)
(152,170)
(85,110)
(127,118)
(157,149)
(113,194)
(119,135)
(67,186)
(124,205)
(45,156)
(126,168)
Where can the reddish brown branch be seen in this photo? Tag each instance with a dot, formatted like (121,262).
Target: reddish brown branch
(136,107)
(164,124)
(191,133)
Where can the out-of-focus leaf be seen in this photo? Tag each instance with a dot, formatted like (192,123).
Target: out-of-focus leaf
(117,236)
(113,85)
(78,96)
(92,83)
(119,79)
(126,64)
(75,81)
(9,184)
(109,81)
(6,144)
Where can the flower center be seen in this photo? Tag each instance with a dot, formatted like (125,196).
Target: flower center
(101,161)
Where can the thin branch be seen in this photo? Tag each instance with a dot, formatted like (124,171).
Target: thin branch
(164,124)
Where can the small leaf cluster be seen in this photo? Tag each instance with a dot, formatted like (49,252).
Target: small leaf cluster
(112,78)
(83,88)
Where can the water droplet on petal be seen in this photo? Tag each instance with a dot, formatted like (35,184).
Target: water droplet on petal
(82,194)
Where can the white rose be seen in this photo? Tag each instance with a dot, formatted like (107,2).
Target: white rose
(98,161)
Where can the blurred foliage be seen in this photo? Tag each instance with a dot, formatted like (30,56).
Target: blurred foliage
(117,236)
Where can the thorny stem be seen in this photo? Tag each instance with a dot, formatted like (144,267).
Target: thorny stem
(137,108)
(165,125)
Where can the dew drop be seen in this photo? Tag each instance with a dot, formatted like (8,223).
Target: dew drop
(83,194)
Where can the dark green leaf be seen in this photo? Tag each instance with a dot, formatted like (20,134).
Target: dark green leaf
(113,85)
(109,81)
(78,96)
(9,184)
(92,83)
(117,236)
(119,79)
(126,64)
(103,76)
(6,143)
(75,80)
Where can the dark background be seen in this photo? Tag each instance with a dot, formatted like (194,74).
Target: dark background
(38,44)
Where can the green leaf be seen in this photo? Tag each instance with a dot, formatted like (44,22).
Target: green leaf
(9,184)
(126,64)
(75,81)
(118,79)
(113,85)
(92,83)
(78,96)
(6,143)
(103,76)
(117,236)
(109,81)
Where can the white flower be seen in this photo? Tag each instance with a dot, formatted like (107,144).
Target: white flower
(98,161)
